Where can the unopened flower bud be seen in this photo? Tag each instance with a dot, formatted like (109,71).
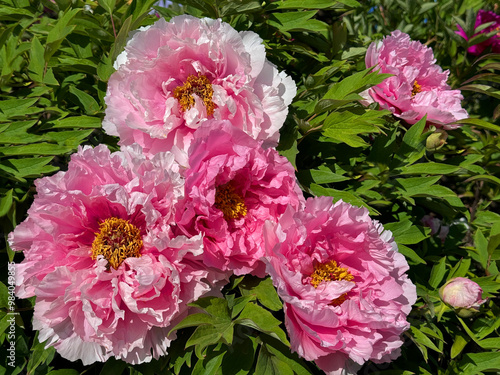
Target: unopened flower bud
(436,140)
(462,294)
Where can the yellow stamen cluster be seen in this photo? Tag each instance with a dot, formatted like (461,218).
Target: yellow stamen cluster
(199,85)
(330,271)
(117,240)
(416,89)
(230,202)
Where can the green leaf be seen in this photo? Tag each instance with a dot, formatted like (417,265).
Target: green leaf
(324,175)
(39,356)
(480,123)
(429,168)
(475,363)
(72,138)
(239,304)
(4,296)
(77,122)
(105,69)
(460,269)
(86,102)
(424,187)
(207,335)
(49,78)
(297,21)
(27,167)
(37,63)
(17,108)
(355,83)
(482,89)
(346,126)
(310,4)
(490,344)
(263,289)
(262,320)
(484,177)
(58,33)
(67,372)
(268,364)
(36,149)
(217,307)
(413,147)
(283,353)
(410,254)
(211,363)
(193,320)
(437,273)
(240,357)
(121,38)
(109,5)
(411,236)
(459,343)
(244,6)
(494,240)
(481,245)
(219,327)
(341,194)
(423,339)
(6,203)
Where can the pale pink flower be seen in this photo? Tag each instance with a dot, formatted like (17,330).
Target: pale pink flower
(343,283)
(174,75)
(109,276)
(484,16)
(461,292)
(232,187)
(418,86)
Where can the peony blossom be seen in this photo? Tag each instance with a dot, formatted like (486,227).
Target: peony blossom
(461,292)
(174,75)
(484,16)
(343,283)
(108,274)
(418,86)
(232,187)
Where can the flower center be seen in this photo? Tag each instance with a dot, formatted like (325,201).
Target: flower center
(229,202)
(416,89)
(199,85)
(330,271)
(117,240)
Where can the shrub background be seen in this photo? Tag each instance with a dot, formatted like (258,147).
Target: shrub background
(55,60)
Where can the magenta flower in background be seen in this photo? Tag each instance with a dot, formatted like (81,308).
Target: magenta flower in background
(174,75)
(461,292)
(343,283)
(484,16)
(232,187)
(108,274)
(418,86)
(436,226)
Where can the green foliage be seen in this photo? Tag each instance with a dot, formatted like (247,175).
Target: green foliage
(56,58)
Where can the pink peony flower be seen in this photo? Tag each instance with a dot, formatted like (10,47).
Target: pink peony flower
(174,75)
(108,274)
(232,187)
(343,283)
(418,86)
(484,16)
(461,292)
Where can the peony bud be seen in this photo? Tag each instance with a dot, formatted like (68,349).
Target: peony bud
(462,294)
(436,140)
